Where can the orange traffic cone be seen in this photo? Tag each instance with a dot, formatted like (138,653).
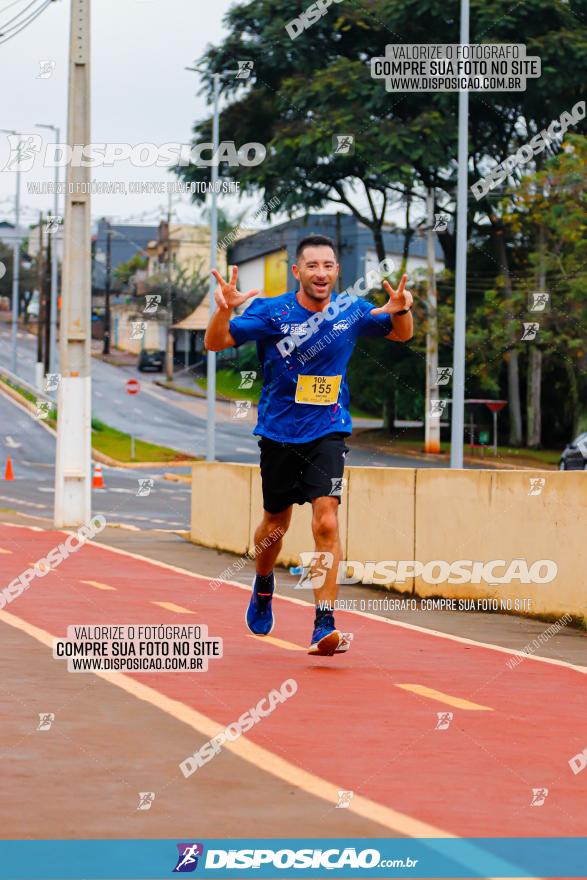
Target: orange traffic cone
(98,481)
(9,473)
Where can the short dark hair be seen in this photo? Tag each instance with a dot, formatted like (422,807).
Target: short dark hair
(315,241)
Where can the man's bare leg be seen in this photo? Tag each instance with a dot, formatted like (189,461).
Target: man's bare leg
(327,541)
(268,541)
(269,538)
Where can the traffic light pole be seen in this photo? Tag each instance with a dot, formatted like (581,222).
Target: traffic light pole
(73,462)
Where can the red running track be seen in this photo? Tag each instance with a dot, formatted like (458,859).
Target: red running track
(349,722)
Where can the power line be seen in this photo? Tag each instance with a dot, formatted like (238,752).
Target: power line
(14,2)
(18,14)
(26,22)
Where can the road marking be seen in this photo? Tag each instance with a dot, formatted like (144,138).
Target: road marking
(261,758)
(171,606)
(23,502)
(98,585)
(279,643)
(3,551)
(11,443)
(384,620)
(268,762)
(511,652)
(459,702)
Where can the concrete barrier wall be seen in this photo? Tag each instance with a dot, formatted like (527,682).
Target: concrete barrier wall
(221,506)
(485,515)
(425,514)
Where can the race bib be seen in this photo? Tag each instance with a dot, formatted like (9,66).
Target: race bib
(318,390)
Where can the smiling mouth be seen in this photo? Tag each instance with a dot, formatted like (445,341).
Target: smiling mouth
(320,286)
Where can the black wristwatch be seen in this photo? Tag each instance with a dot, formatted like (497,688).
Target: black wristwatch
(404,311)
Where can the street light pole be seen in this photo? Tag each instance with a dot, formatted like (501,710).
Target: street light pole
(15,258)
(107,285)
(458,393)
(211,355)
(73,497)
(432,424)
(170,342)
(54,262)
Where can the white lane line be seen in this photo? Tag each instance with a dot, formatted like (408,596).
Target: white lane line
(386,621)
(24,503)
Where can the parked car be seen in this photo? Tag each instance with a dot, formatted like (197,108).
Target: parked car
(151,359)
(574,456)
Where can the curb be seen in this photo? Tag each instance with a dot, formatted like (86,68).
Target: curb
(96,454)
(483,464)
(177,478)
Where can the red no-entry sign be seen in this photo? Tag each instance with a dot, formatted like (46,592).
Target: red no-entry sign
(133,386)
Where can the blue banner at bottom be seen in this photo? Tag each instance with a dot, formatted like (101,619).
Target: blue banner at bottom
(276,857)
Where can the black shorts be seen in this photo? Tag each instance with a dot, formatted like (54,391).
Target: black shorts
(293,473)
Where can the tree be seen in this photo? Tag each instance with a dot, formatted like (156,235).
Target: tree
(187,289)
(27,278)
(305,91)
(124,272)
(549,218)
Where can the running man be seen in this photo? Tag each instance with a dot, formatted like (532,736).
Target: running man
(304,341)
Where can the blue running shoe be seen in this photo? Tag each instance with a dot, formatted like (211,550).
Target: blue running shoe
(259,616)
(326,639)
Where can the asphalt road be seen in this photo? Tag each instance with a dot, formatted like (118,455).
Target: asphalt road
(31,447)
(171,419)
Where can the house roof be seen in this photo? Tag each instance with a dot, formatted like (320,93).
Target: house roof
(198,320)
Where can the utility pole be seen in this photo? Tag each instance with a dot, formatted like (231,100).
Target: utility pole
(432,423)
(170,334)
(460,319)
(47,278)
(41,315)
(211,355)
(73,462)
(15,257)
(54,263)
(107,316)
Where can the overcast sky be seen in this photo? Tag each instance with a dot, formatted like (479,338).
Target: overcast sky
(140,92)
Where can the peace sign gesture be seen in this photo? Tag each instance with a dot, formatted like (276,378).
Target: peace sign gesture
(399,299)
(226,294)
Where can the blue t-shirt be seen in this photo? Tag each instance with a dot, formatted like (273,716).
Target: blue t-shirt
(293,341)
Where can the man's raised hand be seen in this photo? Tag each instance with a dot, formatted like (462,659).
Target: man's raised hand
(226,294)
(399,299)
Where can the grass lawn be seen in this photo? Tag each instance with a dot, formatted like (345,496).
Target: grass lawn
(116,444)
(111,442)
(507,453)
(227,383)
